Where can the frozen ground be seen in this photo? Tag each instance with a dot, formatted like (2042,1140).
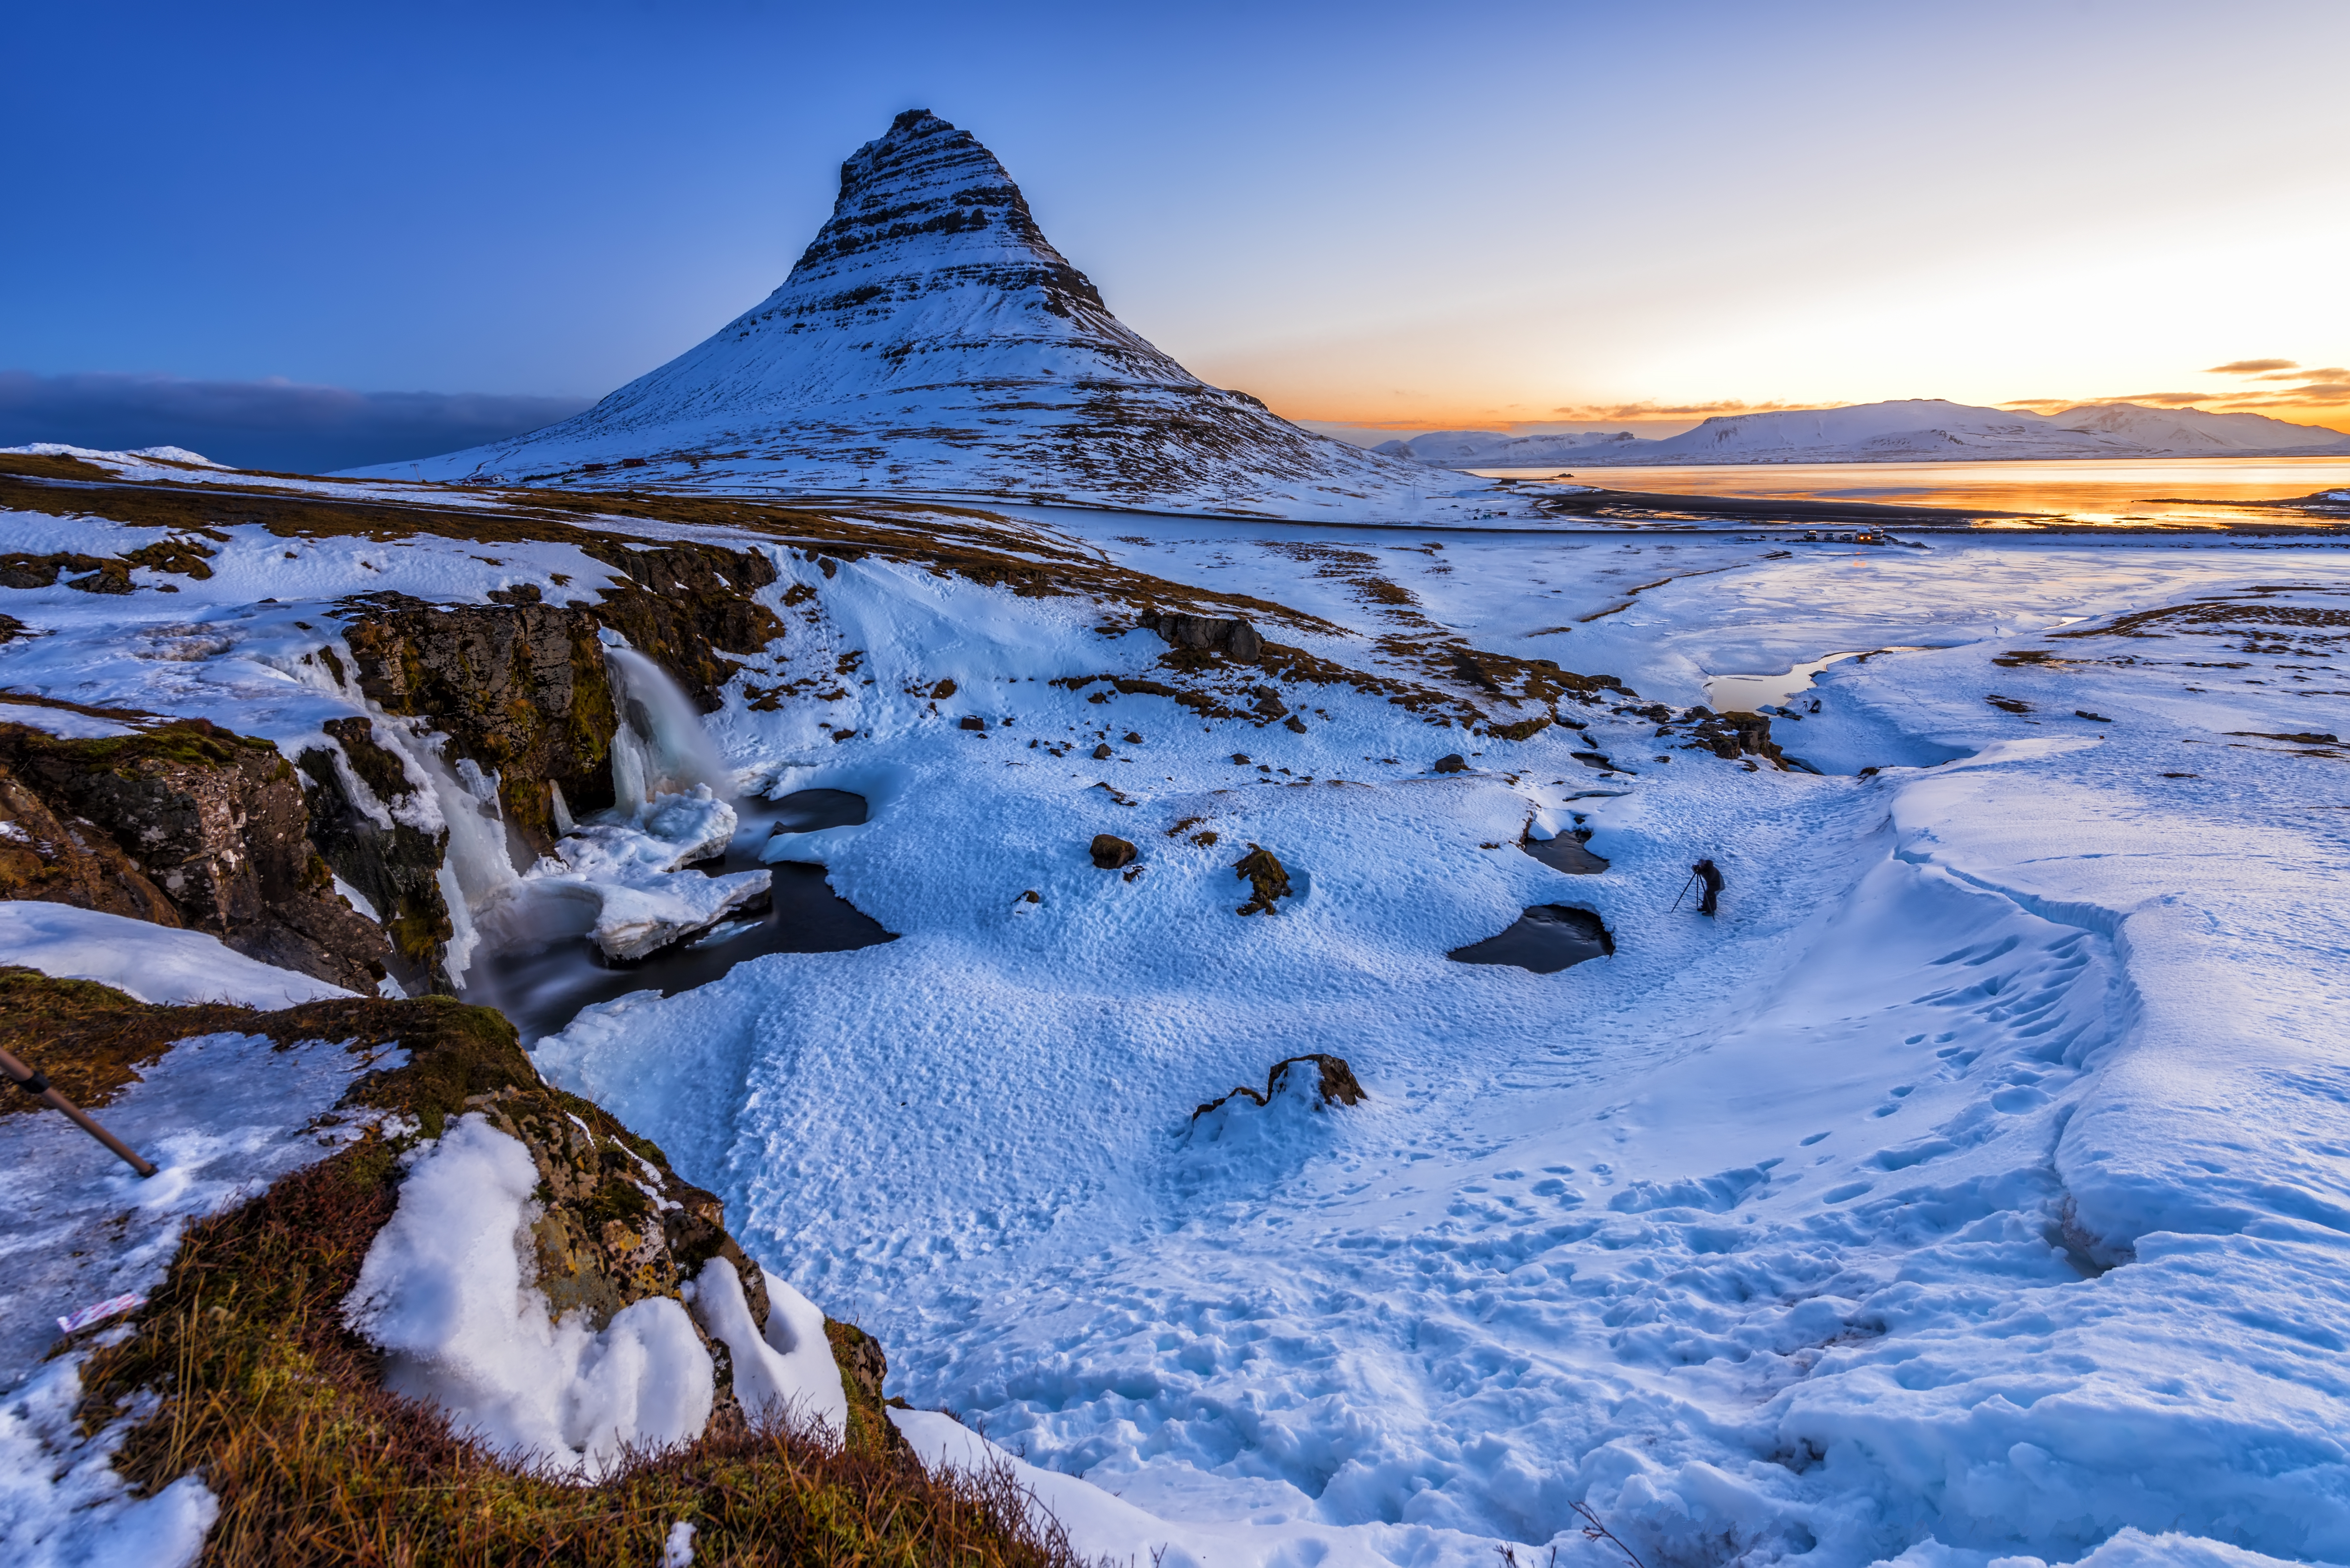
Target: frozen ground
(1975,1187)
(221,1116)
(1976,1180)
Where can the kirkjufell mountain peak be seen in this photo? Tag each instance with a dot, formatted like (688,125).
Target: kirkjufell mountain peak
(932,341)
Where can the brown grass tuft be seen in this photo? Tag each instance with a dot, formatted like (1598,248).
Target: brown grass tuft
(281,1409)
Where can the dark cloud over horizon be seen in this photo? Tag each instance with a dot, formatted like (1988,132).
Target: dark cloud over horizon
(271,424)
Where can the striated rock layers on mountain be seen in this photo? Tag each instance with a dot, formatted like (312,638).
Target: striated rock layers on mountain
(931,341)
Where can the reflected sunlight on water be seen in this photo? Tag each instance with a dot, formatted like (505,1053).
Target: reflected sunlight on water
(2176,491)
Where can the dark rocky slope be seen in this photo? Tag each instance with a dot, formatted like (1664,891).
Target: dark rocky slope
(187,825)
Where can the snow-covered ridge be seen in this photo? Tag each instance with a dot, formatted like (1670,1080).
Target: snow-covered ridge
(931,339)
(1909,430)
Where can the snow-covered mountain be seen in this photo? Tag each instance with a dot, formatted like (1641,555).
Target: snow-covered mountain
(2190,433)
(931,339)
(1491,449)
(1912,430)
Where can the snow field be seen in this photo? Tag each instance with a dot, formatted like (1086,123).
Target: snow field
(1970,1190)
(1765,1237)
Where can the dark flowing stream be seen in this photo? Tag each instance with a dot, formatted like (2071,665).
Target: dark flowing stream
(542,990)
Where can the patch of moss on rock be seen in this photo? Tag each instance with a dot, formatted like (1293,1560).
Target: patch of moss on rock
(521,690)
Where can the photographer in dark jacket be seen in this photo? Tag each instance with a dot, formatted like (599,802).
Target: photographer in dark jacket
(1707,872)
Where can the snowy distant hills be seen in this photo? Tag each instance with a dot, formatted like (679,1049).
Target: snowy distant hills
(931,341)
(1491,449)
(1914,429)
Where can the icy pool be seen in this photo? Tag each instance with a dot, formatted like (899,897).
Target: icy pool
(543,989)
(1565,853)
(1546,939)
(1753,694)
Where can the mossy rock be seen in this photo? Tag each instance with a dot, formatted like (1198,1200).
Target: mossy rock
(257,1384)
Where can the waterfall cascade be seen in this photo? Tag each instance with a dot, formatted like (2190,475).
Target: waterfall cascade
(619,877)
(475,867)
(660,747)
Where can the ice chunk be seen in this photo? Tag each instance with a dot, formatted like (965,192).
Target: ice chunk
(630,875)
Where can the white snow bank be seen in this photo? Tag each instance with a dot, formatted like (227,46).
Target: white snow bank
(154,963)
(64,722)
(63,1506)
(2127,1548)
(789,1373)
(1102,1525)
(444,1291)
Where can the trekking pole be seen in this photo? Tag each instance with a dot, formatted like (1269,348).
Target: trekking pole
(37,1086)
(1683,893)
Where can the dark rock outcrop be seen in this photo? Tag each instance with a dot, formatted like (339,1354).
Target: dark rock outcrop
(1454,763)
(55,860)
(1731,735)
(521,690)
(1334,1084)
(88,573)
(1234,638)
(685,606)
(396,868)
(1266,877)
(217,823)
(1112,853)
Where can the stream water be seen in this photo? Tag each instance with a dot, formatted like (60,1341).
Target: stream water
(542,989)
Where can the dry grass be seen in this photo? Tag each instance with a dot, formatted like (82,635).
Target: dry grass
(280,1409)
(257,1386)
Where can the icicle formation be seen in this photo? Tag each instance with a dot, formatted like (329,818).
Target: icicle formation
(475,867)
(660,748)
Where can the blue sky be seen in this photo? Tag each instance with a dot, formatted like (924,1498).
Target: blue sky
(1537,215)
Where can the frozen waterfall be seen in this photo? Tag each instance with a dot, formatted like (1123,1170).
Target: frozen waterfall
(660,747)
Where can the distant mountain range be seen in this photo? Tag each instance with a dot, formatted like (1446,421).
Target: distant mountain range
(931,340)
(1912,430)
